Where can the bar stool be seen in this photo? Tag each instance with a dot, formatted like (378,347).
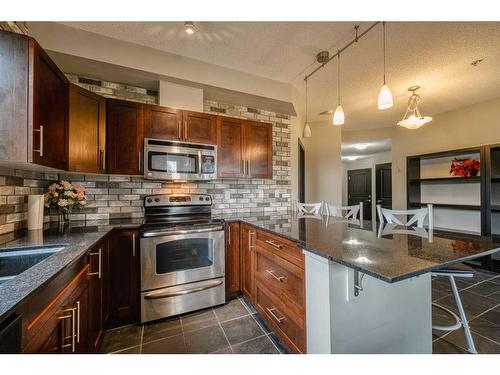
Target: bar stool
(418,217)
(351,212)
(309,208)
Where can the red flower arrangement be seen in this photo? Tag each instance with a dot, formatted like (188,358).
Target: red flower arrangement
(464,167)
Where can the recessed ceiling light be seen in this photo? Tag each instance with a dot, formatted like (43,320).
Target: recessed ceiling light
(189,26)
(476,62)
(350,158)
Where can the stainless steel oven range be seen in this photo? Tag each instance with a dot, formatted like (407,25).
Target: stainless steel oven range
(182,256)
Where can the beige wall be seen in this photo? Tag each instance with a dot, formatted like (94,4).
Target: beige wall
(470,126)
(179,96)
(323,163)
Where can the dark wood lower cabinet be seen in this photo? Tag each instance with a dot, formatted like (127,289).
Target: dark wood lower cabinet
(121,278)
(247,239)
(232,260)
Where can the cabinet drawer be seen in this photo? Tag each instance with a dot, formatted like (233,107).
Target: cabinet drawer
(281,319)
(281,247)
(284,278)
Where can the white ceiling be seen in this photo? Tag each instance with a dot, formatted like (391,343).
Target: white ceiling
(434,55)
(365,149)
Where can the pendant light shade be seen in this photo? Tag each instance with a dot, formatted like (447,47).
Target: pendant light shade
(306,133)
(385,94)
(384,97)
(412,118)
(338,116)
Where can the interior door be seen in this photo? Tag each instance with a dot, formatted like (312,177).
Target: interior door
(231,149)
(259,145)
(384,185)
(359,189)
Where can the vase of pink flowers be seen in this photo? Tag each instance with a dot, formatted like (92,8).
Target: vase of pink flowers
(64,195)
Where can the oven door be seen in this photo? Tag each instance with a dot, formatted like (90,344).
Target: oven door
(171,260)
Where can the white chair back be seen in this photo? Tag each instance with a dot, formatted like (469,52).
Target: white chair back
(346,212)
(309,208)
(416,216)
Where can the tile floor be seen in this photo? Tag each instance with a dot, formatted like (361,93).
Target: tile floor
(232,328)
(481,300)
(237,328)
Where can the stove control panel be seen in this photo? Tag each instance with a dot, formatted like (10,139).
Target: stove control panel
(178,200)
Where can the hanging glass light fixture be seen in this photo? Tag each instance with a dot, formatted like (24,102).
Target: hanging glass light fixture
(412,118)
(385,94)
(338,116)
(306,133)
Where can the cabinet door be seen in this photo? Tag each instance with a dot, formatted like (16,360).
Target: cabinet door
(259,149)
(50,111)
(231,149)
(123,278)
(162,122)
(247,249)
(199,127)
(96,296)
(124,137)
(87,131)
(232,259)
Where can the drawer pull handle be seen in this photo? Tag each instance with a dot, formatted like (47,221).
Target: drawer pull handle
(274,316)
(274,244)
(99,255)
(279,278)
(251,246)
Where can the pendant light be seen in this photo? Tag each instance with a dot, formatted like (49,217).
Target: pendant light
(412,118)
(338,116)
(385,94)
(306,133)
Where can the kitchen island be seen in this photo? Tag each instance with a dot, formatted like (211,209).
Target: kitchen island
(368,288)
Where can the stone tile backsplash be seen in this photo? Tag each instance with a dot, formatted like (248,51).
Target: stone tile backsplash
(116,196)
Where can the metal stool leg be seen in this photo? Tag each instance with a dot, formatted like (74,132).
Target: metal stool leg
(468,336)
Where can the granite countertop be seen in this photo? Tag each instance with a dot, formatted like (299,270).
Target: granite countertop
(76,242)
(391,257)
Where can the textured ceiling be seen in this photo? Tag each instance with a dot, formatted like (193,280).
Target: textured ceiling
(434,55)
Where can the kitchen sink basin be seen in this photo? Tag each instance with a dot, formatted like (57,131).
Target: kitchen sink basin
(17,260)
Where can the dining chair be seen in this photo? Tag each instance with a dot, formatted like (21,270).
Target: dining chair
(309,208)
(417,218)
(346,212)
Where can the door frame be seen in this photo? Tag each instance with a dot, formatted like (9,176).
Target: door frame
(301,175)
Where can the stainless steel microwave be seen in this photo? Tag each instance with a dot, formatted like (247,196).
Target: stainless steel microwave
(173,160)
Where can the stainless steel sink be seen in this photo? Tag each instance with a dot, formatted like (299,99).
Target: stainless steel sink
(17,260)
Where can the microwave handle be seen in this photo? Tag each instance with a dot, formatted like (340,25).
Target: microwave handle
(199,164)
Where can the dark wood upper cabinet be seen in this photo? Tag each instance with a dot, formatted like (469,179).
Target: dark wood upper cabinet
(50,110)
(162,122)
(125,125)
(121,279)
(199,127)
(87,131)
(247,248)
(231,147)
(259,149)
(232,259)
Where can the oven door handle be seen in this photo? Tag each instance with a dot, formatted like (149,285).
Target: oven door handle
(158,295)
(189,231)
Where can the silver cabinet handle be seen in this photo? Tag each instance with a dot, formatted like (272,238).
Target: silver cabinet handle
(133,245)
(139,159)
(102,159)
(40,150)
(250,245)
(158,295)
(279,278)
(274,244)
(275,317)
(248,167)
(99,272)
(229,235)
(71,315)
(77,321)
